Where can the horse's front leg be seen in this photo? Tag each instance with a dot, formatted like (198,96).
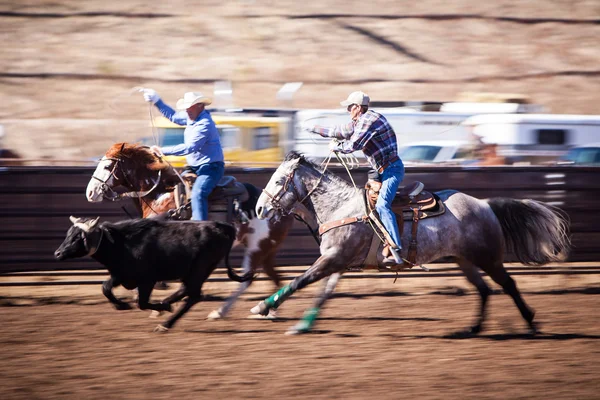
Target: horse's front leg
(107,287)
(311,314)
(323,267)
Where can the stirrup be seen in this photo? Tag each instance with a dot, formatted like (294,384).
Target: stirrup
(402,266)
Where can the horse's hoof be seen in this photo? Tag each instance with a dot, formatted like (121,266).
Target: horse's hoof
(161,329)
(272,315)
(300,327)
(261,308)
(214,315)
(155,314)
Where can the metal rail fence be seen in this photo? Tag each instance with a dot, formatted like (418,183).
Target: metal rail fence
(35,203)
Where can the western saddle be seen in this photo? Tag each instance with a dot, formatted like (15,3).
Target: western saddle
(228,192)
(411,203)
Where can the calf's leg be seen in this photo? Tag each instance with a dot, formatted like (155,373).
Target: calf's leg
(144,291)
(194,292)
(107,287)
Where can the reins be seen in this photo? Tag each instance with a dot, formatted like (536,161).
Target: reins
(367,205)
(155,137)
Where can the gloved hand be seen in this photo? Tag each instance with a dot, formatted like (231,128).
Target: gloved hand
(334,145)
(306,126)
(156,150)
(150,95)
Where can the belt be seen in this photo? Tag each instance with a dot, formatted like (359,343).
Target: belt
(387,164)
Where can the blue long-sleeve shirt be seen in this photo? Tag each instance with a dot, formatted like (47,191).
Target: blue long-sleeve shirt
(201,143)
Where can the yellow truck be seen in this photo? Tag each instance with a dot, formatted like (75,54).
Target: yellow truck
(246,140)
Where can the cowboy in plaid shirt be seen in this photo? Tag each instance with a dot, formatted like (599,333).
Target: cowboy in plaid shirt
(370,132)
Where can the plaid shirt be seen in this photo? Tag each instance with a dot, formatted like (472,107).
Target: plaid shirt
(370,133)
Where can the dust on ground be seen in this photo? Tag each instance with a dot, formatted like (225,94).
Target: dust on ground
(374,339)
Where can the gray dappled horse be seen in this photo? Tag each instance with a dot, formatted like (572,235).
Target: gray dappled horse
(474,232)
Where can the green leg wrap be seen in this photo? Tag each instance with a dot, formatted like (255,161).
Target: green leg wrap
(310,316)
(307,321)
(279,297)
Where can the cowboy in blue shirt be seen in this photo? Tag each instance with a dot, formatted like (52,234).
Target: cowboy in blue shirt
(201,144)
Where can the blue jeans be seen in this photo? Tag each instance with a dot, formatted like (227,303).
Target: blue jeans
(208,176)
(390,180)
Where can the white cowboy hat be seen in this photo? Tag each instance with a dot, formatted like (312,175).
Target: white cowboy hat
(191,98)
(360,98)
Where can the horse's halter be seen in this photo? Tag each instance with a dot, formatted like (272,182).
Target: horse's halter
(109,194)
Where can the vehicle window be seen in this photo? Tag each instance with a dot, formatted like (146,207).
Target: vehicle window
(171,136)
(229,136)
(419,153)
(463,153)
(551,136)
(586,155)
(263,139)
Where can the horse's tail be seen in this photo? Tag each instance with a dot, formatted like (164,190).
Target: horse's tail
(535,232)
(230,271)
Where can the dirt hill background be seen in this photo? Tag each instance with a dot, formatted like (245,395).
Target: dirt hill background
(68,67)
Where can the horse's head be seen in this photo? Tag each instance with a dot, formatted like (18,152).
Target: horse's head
(78,241)
(282,193)
(126,165)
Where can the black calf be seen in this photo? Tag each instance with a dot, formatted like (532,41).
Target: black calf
(139,253)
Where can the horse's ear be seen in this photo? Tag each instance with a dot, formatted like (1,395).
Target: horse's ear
(295,162)
(73,220)
(122,147)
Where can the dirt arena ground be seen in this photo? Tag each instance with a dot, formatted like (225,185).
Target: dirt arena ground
(375,340)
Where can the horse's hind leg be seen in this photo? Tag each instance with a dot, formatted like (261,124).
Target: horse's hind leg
(473,275)
(310,315)
(269,268)
(499,274)
(250,263)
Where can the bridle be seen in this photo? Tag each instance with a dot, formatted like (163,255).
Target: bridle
(109,194)
(289,180)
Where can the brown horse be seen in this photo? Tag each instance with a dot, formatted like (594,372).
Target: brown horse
(150,182)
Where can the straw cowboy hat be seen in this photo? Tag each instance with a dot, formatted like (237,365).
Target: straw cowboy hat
(191,98)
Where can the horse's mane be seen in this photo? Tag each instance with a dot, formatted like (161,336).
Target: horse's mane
(295,155)
(140,155)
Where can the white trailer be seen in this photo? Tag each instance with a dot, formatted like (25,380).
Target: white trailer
(409,124)
(534,137)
